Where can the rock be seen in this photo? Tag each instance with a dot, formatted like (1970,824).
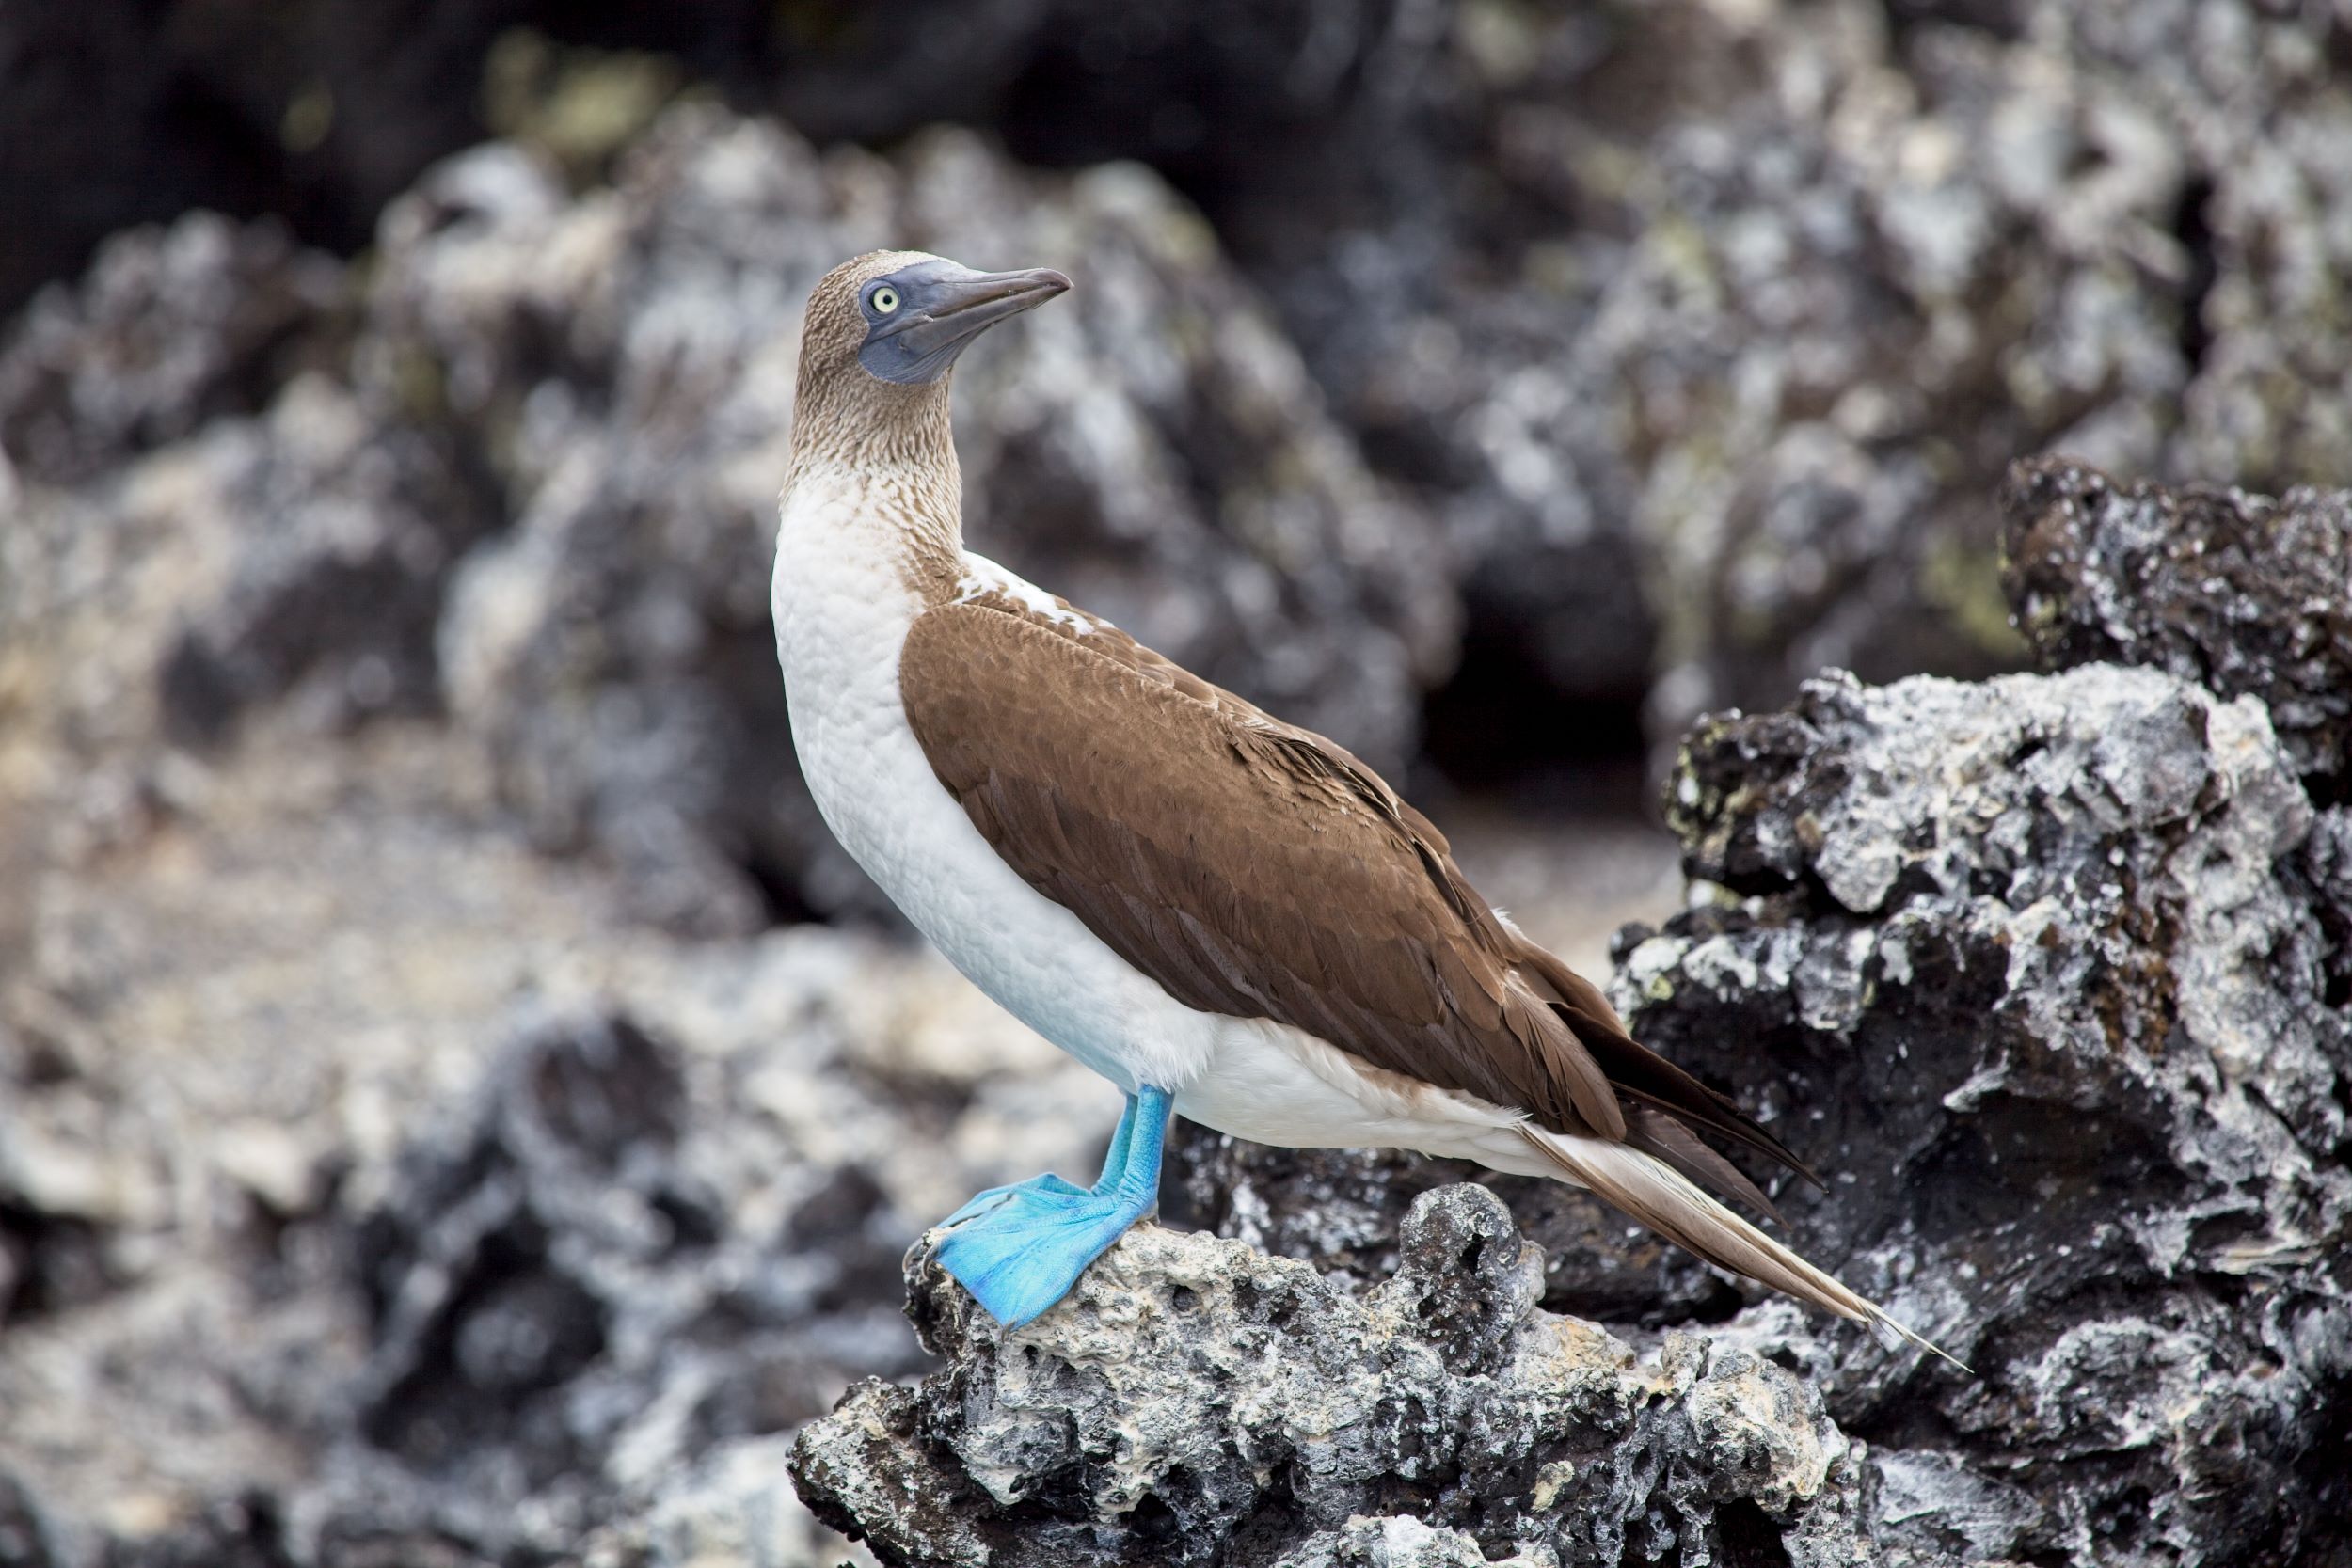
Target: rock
(1196,1402)
(536,479)
(2032,968)
(1342,1211)
(296,559)
(21,1540)
(371,1188)
(377,1186)
(1707,327)
(169,328)
(2241,593)
(1706,380)
(2327,858)
(2047,975)
(346,535)
(1712,325)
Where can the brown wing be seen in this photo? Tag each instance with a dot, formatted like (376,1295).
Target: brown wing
(1250,868)
(1257,869)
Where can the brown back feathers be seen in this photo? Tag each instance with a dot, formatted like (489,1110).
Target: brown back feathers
(1258,870)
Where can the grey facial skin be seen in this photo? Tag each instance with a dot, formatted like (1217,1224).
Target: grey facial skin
(939,309)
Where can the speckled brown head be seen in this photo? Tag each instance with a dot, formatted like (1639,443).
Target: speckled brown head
(883,332)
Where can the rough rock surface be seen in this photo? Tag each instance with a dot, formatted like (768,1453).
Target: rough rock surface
(2045,973)
(1753,304)
(2240,593)
(1340,1210)
(2034,966)
(169,328)
(1196,1402)
(1748,306)
(372,1189)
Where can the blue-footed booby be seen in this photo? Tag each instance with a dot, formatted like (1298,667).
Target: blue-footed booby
(1230,918)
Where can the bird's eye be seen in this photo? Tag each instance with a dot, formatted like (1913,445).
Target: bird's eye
(883,300)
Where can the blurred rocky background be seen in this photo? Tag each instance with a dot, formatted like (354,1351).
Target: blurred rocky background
(456,1106)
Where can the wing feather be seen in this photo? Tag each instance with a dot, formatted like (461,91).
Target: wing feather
(1259,870)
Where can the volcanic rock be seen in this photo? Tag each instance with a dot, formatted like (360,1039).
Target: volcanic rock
(1196,1402)
(2240,593)
(2044,975)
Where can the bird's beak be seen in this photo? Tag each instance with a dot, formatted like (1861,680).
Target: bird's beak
(979,300)
(944,311)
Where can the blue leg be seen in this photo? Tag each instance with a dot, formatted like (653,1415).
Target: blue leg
(1019,1249)
(1122,1141)
(1050,1184)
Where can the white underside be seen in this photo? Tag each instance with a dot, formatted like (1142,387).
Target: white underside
(842,614)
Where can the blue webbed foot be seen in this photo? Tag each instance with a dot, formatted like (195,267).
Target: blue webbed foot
(981,1203)
(1019,1249)
(1023,1256)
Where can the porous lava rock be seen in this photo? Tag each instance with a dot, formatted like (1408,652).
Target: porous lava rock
(1197,1402)
(2035,968)
(2044,973)
(1707,325)
(2238,591)
(375,1188)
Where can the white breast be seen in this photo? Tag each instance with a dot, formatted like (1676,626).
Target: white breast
(842,613)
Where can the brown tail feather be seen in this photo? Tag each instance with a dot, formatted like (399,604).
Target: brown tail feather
(1653,1132)
(1727,1121)
(1654,1193)
(1639,1074)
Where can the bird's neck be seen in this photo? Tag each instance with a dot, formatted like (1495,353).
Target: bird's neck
(880,478)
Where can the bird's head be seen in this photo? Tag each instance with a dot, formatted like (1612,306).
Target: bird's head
(884,328)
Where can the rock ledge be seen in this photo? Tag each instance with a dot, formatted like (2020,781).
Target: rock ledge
(1197,1402)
